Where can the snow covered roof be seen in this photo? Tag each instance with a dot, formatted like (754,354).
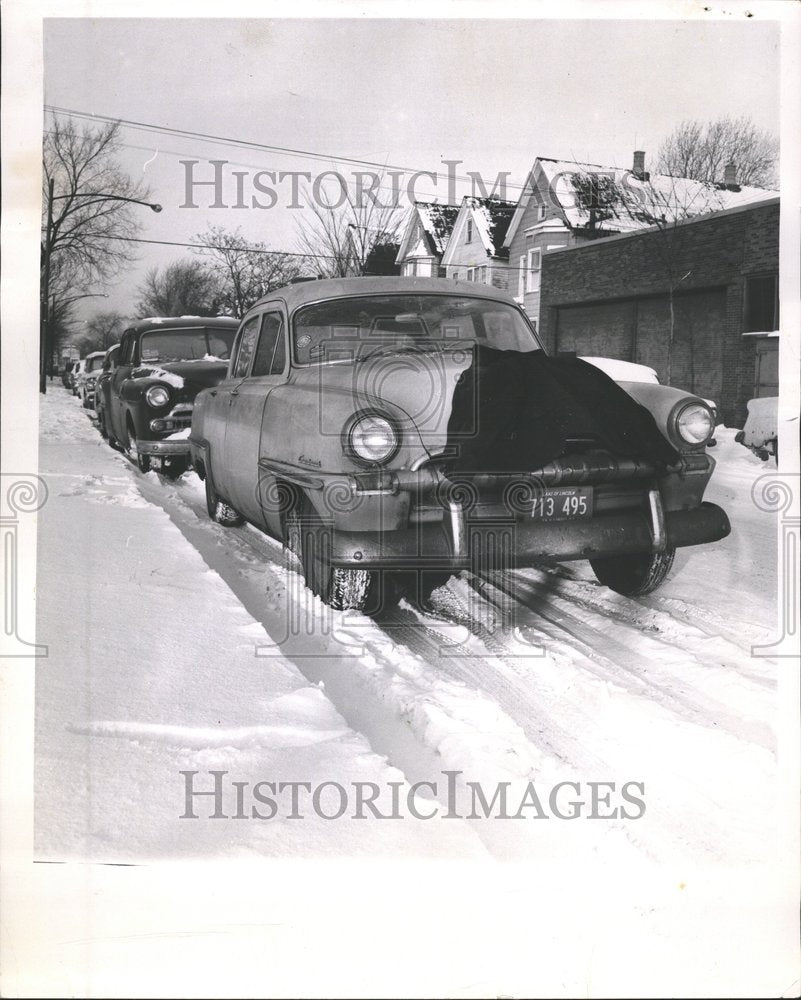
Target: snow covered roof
(492,218)
(437,221)
(430,225)
(614,200)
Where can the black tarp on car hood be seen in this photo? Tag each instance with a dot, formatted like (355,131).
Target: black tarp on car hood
(516,412)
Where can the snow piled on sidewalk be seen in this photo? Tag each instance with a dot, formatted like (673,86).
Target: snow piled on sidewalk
(152,671)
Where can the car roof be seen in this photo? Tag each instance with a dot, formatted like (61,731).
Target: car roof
(181,322)
(332,288)
(96,354)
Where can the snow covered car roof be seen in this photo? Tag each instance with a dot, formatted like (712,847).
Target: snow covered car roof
(179,322)
(332,288)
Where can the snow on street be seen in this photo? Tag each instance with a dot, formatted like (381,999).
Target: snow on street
(170,651)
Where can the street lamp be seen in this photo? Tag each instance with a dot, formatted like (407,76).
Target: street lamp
(99,196)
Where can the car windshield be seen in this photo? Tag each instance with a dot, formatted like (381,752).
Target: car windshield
(95,363)
(189,344)
(357,328)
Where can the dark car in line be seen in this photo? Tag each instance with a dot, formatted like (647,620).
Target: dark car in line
(392,431)
(162,364)
(103,387)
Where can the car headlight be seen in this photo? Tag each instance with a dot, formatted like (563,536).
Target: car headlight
(157,395)
(371,437)
(695,423)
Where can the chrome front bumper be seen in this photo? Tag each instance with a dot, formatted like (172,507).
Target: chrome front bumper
(146,447)
(461,543)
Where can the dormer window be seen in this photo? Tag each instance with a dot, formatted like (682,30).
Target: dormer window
(469,237)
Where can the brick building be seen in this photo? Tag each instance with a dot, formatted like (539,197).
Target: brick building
(565,203)
(610,297)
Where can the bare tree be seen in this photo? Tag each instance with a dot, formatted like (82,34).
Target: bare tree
(184,288)
(702,151)
(102,331)
(341,239)
(91,218)
(243,272)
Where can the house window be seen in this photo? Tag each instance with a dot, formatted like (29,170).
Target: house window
(484,274)
(411,268)
(469,237)
(521,277)
(542,211)
(761,304)
(455,275)
(532,270)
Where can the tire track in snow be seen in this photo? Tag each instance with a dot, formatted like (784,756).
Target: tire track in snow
(635,658)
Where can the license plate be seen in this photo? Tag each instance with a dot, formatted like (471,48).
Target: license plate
(563,503)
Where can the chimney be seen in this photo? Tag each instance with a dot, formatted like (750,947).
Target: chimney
(638,169)
(730,177)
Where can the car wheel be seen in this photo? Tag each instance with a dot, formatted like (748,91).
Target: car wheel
(634,575)
(219,510)
(309,539)
(101,425)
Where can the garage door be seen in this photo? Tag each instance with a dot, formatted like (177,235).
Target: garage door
(603,330)
(698,328)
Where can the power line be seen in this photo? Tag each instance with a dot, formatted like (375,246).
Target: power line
(250,144)
(282,253)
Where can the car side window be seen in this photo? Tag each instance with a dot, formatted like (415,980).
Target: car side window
(247,345)
(271,352)
(126,351)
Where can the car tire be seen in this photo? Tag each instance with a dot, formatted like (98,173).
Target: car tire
(634,575)
(220,511)
(309,539)
(101,424)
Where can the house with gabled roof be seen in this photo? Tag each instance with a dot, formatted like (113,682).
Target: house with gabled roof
(475,250)
(425,237)
(565,203)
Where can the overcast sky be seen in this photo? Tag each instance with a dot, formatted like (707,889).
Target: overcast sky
(494,94)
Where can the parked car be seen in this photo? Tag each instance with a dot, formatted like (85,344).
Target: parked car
(77,370)
(103,387)
(162,364)
(66,375)
(386,430)
(88,377)
(761,430)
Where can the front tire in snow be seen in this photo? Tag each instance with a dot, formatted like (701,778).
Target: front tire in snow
(309,539)
(634,575)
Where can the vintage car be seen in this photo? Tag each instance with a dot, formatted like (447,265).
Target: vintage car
(66,374)
(162,364)
(760,432)
(77,370)
(392,431)
(87,379)
(103,387)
